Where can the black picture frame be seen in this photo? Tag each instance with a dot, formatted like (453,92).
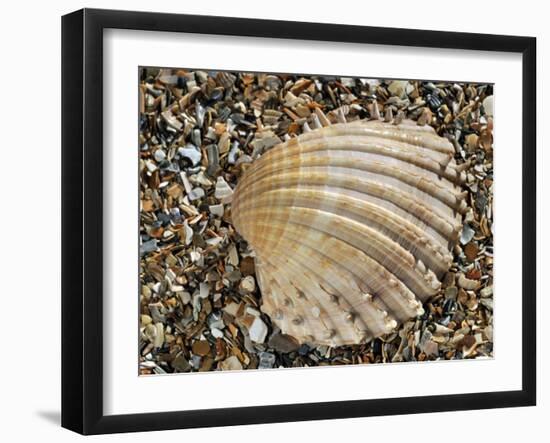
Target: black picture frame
(82,259)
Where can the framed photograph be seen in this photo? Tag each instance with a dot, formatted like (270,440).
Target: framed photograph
(270,221)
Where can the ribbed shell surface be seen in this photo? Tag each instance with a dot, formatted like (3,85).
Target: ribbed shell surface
(352,226)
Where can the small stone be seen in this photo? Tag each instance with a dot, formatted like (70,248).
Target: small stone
(232,255)
(462,296)
(200,112)
(233,276)
(216,210)
(195,256)
(248,284)
(196,361)
(232,308)
(425,117)
(233,154)
(303,349)
(451,292)
(283,343)
(223,190)
(488,104)
(252,311)
(486,292)
(398,88)
(231,364)
(468,341)
(185,297)
(181,364)
(468,283)
(159,155)
(487,302)
(448,279)
(174,190)
(431,348)
(467,234)
(214,241)
(258,330)
(196,194)
(489,333)
(204,290)
(145,320)
(215,321)
(151,167)
(213,159)
(472,303)
(348,82)
(470,142)
(247,266)
(202,180)
(426,337)
(216,333)
(167,235)
(191,153)
(148,246)
(267,360)
(471,250)
(434,102)
(188,232)
(474,274)
(201,347)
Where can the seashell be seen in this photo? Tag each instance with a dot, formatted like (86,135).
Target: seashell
(352,225)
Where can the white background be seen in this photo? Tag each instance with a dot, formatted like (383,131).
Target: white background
(126,393)
(30,222)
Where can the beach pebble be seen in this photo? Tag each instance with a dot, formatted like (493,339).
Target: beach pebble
(191,153)
(488,105)
(258,330)
(216,333)
(398,88)
(283,343)
(223,190)
(247,284)
(467,234)
(231,364)
(196,194)
(148,246)
(267,360)
(216,210)
(201,347)
(159,155)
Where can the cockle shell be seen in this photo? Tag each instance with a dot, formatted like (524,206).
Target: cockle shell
(352,226)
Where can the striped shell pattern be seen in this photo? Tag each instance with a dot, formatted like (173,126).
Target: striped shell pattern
(352,225)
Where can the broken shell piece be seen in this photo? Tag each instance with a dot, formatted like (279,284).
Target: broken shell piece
(190,153)
(223,190)
(346,210)
(231,364)
(467,283)
(258,330)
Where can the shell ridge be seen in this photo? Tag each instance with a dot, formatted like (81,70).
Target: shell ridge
(409,273)
(436,189)
(372,214)
(414,135)
(410,203)
(398,296)
(409,153)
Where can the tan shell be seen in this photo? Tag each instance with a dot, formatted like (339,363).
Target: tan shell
(352,226)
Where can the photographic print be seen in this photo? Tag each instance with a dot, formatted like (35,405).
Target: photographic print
(300,220)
